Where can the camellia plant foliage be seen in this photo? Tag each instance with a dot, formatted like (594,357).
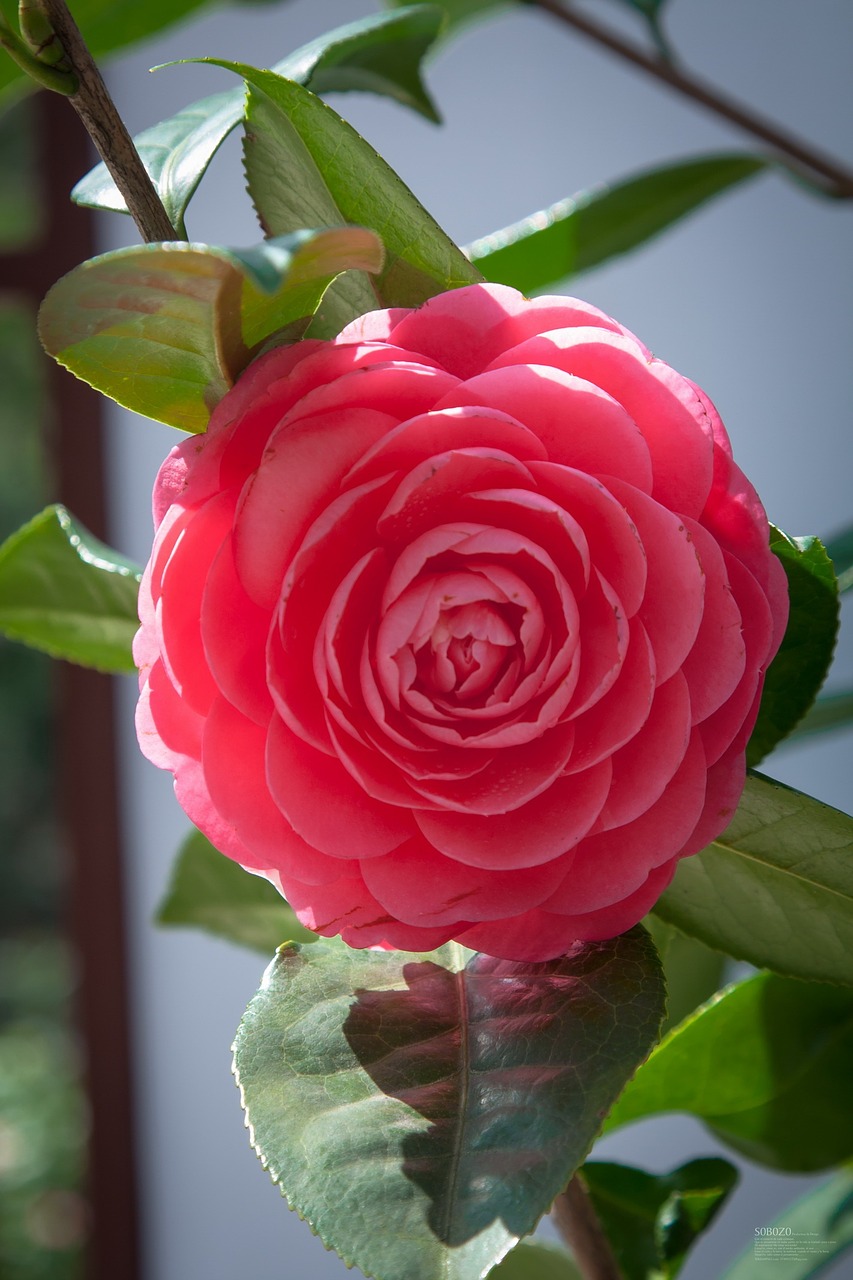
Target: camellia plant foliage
(461,626)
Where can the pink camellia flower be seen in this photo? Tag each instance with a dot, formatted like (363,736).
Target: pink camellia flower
(456,626)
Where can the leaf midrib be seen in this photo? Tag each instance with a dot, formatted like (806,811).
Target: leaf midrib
(784,871)
(462,1115)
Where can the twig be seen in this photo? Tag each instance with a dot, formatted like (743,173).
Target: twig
(802,154)
(578,1224)
(106,128)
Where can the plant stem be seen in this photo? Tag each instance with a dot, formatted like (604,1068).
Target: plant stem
(106,128)
(578,1224)
(799,156)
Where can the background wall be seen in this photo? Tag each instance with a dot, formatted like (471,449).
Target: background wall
(749,297)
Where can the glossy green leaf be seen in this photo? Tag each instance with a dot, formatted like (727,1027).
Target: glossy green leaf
(839,548)
(651,11)
(381,54)
(693,971)
(422,1111)
(106,27)
(460,12)
(302,159)
(821,1227)
(652,1220)
(208,891)
(165,329)
(66,593)
(767,1065)
(535,1260)
(830,711)
(648,8)
(776,888)
(805,655)
(593,226)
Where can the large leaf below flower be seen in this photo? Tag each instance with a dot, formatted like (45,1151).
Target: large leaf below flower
(799,668)
(652,1220)
(767,1065)
(302,160)
(776,888)
(380,53)
(589,228)
(208,891)
(165,329)
(423,1111)
(66,593)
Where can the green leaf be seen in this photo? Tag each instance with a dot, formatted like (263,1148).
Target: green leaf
(839,548)
(165,329)
(208,891)
(533,1260)
(821,1225)
(460,12)
(66,593)
(831,711)
(693,971)
(776,888)
(380,54)
(652,1220)
(303,160)
(593,226)
(767,1065)
(650,10)
(422,1111)
(106,27)
(799,668)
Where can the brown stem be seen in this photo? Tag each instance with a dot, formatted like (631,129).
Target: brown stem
(578,1224)
(106,128)
(833,177)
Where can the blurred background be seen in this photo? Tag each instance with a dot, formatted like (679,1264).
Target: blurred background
(750,297)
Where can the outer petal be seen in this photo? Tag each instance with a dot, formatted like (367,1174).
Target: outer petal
(545,828)
(466,329)
(664,406)
(234,770)
(347,823)
(674,598)
(609,866)
(579,424)
(647,764)
(300,476)
(347,907)
(544,935)
(420,886)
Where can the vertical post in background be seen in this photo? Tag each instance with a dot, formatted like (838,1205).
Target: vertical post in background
(86,790)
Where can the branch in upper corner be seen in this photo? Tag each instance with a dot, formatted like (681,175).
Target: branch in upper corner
(803,159)
(107,130)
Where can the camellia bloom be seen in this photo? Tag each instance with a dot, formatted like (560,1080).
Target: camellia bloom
(456,626)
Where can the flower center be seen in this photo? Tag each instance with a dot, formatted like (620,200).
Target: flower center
(466,650)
